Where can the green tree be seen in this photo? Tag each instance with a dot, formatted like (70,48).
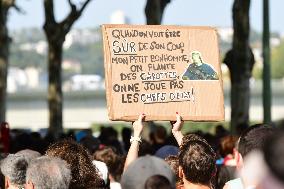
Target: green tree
(89,55)
(23,59)
(277,59)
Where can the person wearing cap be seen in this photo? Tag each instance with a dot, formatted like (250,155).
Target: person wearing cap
(143,168)
(14,168)
(167,150)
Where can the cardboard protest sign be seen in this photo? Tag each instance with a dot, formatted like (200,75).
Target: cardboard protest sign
(161,70)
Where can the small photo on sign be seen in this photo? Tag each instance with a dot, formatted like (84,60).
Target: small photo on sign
(199,70)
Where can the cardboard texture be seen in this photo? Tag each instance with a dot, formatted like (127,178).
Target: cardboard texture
(161,70)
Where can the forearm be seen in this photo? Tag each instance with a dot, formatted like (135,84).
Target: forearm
(132,154)
(178,136)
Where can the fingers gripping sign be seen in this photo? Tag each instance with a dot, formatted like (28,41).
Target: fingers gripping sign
(178,124)
(138,125)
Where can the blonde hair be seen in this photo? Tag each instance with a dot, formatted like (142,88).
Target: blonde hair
(196,52)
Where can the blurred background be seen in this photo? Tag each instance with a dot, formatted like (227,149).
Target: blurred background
(83,92)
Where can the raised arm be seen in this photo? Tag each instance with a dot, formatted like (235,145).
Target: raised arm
(135,140)
(176,129)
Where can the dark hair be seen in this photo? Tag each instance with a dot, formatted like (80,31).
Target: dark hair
(157,182)
(224,174)
(197,160)
(84,173)
(254,138)
(173,163)
(113,161)
(126,135)
(191,137)
(160,132)
(145,148)
(91,143)
(274,153)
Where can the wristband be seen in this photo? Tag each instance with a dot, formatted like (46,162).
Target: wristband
(138,139)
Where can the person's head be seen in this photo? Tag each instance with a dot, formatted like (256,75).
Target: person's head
(166,151)
(160,134)
(240,128)
(157,182)
(173,163)
(29,154)
(227,145)
(273,155)
(145,148)
(220,131)
(196,57)
(48,173)
(84,173)
(113,161)
(191,137)
(14,168)
(135,176)
(91,143)
(251,139)
(126,134)
(197,163)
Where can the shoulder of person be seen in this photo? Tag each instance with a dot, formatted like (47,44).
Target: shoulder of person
(192,65)
(208,66)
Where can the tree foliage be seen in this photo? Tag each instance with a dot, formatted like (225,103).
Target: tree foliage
(277,61)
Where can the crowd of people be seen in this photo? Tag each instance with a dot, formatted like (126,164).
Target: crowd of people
(145,157)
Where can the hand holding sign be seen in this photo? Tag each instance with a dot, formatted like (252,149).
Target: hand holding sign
(177,125)
(138,126)
(176,128)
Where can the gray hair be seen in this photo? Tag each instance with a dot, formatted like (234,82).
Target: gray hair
(29,154)
(49,173)
(14,166)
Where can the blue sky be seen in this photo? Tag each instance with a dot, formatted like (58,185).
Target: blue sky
(178,12)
